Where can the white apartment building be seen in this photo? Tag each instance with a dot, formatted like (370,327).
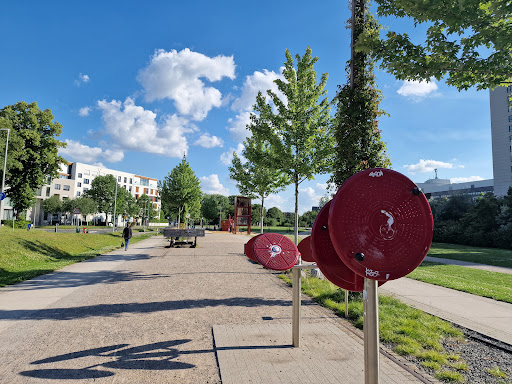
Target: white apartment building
(76,178)
(501,132)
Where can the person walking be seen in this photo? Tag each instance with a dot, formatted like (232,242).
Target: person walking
(127,235)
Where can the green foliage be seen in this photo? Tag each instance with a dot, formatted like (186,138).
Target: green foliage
(496,372)
(277,214)
(103,192)
(297,128)
(258,211)
(212,206)
(17,224)
(52,204)
(358,139)
(469,41)
(308,218)
(143,207)
(33,151)
(181,191)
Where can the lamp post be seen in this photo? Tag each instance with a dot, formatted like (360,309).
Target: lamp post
(220,218)
(3,176)
(115,207)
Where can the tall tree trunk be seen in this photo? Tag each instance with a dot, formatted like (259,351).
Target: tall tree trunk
(261,213)
(296,229)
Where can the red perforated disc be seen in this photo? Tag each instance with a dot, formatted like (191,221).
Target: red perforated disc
(305,249)
(275,251)
(326,257)
(248,249)
(376,213)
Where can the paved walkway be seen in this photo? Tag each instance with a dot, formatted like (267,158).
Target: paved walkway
(469,264)
(162,315)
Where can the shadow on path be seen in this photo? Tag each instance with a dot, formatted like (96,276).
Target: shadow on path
(107,310)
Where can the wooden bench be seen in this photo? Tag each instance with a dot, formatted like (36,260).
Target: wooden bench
(173,234)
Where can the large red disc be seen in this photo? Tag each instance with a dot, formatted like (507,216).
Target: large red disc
(275,251)
(380,224)
(326,257)
(305,249)
(248,249)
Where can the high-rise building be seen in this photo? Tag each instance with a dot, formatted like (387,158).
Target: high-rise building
(501,132)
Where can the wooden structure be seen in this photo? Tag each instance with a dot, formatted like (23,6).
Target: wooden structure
(174,235)
(242,213)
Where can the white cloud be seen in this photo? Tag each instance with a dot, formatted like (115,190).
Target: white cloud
(465,179)
(82,79)
(83,153)
(429,165)
(275,201)
(135,128)
(257,82)
(227,157)
(211,184)
(417,89)
(208,141)
(84,111)
(178,76)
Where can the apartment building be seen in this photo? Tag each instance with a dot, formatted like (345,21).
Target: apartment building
(501,133)
(75,179)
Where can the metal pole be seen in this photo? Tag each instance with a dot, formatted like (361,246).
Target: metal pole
(115,207)
(346,304)
(296,307)
(3,175)
(371,332)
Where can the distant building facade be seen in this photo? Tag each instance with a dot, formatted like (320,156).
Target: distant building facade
(501,132)
(444,188)
(75,179)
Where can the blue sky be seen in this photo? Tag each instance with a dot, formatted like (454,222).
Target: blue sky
(135,84)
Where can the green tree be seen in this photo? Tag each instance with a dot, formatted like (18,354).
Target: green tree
(33,151)
(308,218)
(181,191)
(253,177)
(470,41)
(214,206)
(277,214)
(52,205)
(103,192)
(258,214)
(299,132)
(358,141)
(145,208)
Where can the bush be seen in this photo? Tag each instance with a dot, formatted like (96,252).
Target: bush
(17,223)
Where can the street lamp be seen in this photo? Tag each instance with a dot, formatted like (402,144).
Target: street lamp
(115,207)
(220,217)
(3,176)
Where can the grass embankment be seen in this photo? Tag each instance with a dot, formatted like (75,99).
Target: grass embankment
(24,255)
(409,331)
(497,286)
(488,256)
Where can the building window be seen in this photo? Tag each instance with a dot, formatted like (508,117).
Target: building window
(510,128)
(509,89)
(125,179)
(510,108)
(131,181)
(119,178)
(66,187)
(86,189)
(78,193)
(39,192)
(144,182)
(137,189)
(130,188)
(63,176)
(510,118)
(86,181)
(47,191)
(57,186)
(151,191)
(80,175)
(79,184)
(146,191)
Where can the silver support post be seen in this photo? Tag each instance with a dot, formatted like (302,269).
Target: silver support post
(3,174)
(346,304)
(371,332)
(296,283)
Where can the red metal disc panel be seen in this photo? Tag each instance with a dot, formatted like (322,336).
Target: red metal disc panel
(376,213)
(248,249)
(305,249)
(326,257)
(275,251)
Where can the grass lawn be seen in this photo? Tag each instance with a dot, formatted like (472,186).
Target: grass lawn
(24,255)
(489,256)
(497,286)
(409,331)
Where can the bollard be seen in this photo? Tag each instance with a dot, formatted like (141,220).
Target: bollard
(296,284)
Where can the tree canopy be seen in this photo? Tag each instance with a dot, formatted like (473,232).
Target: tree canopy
(469,41)
(297,125)
(32,156)
(181,191)
(211,207)
(103,192)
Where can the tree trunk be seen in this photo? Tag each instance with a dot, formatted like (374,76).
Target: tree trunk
(261,214)
(296,210)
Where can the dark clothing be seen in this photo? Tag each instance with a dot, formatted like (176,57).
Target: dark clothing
(127,233)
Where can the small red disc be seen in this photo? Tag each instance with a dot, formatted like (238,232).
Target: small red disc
(275,251)
(305,249)
(380,224)
(248,249)
(326,257)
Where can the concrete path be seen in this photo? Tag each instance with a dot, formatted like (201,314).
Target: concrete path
(469,264)
(164,315)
